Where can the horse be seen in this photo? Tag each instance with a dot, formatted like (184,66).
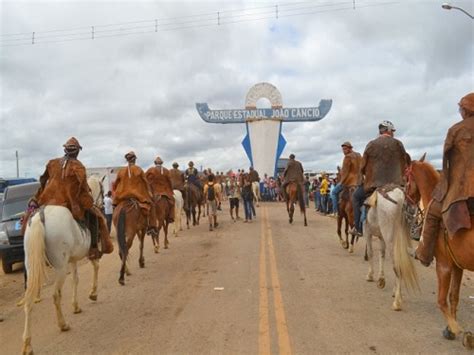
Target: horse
(346,214)
(193,199)
(294,194)
(129,220)
(162,209)
(53,236)
(256,192)
(453,255)
(386,222)
(178,209)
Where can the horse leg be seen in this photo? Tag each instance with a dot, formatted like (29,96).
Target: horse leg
(454,297)
(141,259)
(292,211)
(60,278)
(443,273)
(305,221)
(165,229)
(370,256)
(339,224)
(93,293)
(75,282)
(381,280)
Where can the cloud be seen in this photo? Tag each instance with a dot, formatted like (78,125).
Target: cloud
(409,63)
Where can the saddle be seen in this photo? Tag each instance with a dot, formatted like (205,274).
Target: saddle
(371,201)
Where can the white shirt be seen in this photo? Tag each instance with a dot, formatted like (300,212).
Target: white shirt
(108,205)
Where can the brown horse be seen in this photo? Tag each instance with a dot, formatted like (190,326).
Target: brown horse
(453,255)
(192,199)
(129,220)
(294,195)
(346,213)
(162,208)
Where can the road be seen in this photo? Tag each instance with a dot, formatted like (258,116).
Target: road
(245,288)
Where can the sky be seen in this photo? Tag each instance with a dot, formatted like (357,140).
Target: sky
(405,61)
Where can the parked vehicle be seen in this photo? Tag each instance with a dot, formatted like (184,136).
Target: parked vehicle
(5,182)
(15,202)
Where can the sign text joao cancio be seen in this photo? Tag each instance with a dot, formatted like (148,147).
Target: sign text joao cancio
(286,114)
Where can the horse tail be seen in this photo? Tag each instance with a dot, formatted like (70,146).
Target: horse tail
(403,263)
(121,238)
(35,252)
(301,201)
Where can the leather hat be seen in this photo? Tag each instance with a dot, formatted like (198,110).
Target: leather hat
(175,165)
(467,102)
(130,155)
(346,144)
(191,163)
(72,142)
(158,161)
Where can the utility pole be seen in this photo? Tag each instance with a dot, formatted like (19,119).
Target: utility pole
(17,165)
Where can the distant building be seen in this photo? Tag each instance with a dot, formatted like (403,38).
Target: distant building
(108,173)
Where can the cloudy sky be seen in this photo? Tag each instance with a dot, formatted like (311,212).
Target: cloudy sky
(406,61)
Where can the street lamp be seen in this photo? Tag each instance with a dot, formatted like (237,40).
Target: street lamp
(446,6)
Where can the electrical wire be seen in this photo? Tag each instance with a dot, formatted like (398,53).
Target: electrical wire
(195,21)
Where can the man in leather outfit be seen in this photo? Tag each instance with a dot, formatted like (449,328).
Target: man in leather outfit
(293,173)
(383,164)
(64,183)
(453,197)
(158,178)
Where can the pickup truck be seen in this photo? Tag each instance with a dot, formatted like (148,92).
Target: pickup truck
(15,200)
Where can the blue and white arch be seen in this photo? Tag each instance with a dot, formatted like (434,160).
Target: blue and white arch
(264,142)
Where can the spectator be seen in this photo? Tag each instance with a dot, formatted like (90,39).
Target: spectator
(307,185)
(247,197)
(324,190)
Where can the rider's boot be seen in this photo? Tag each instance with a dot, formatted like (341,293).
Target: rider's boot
(105,240)
(425,250)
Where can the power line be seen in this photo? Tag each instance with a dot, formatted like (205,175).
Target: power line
(211,19)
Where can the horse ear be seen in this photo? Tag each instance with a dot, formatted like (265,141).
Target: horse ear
(103,178)
(422,159)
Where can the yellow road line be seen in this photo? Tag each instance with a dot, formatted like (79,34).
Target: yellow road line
(282,327)
(264,326)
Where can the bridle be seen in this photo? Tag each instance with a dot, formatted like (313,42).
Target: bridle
(413,214)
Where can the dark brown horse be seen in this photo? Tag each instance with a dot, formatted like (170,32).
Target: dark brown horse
(453,255)
(192,200)
(129,220)
(163,206)
(294,194)
(346,213)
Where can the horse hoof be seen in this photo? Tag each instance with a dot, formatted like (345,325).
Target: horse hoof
(396,307)
(381,283)
(157,250)
(448,334)
(142,265)
(351,249)
(122,282)
(93,297)
(468,340)
(369,278)
(65,328)
(77,310)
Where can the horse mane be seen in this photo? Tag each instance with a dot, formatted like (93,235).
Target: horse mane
(431,175)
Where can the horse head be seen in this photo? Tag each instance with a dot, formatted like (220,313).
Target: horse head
(97,190)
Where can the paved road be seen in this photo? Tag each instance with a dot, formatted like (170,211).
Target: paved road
(263,287)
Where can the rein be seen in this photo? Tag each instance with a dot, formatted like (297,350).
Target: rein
(450,251)
(413,214)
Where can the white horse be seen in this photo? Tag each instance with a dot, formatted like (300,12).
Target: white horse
(256,191)
(54,236)
(385,221)
(178,210)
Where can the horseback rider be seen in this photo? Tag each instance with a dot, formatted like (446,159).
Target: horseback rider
(293,173)
(191,174)
(349,174)
(177,178)
(453,197)
(253,175)
(383,165)
(131,183)
(64,183)
(158,178)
